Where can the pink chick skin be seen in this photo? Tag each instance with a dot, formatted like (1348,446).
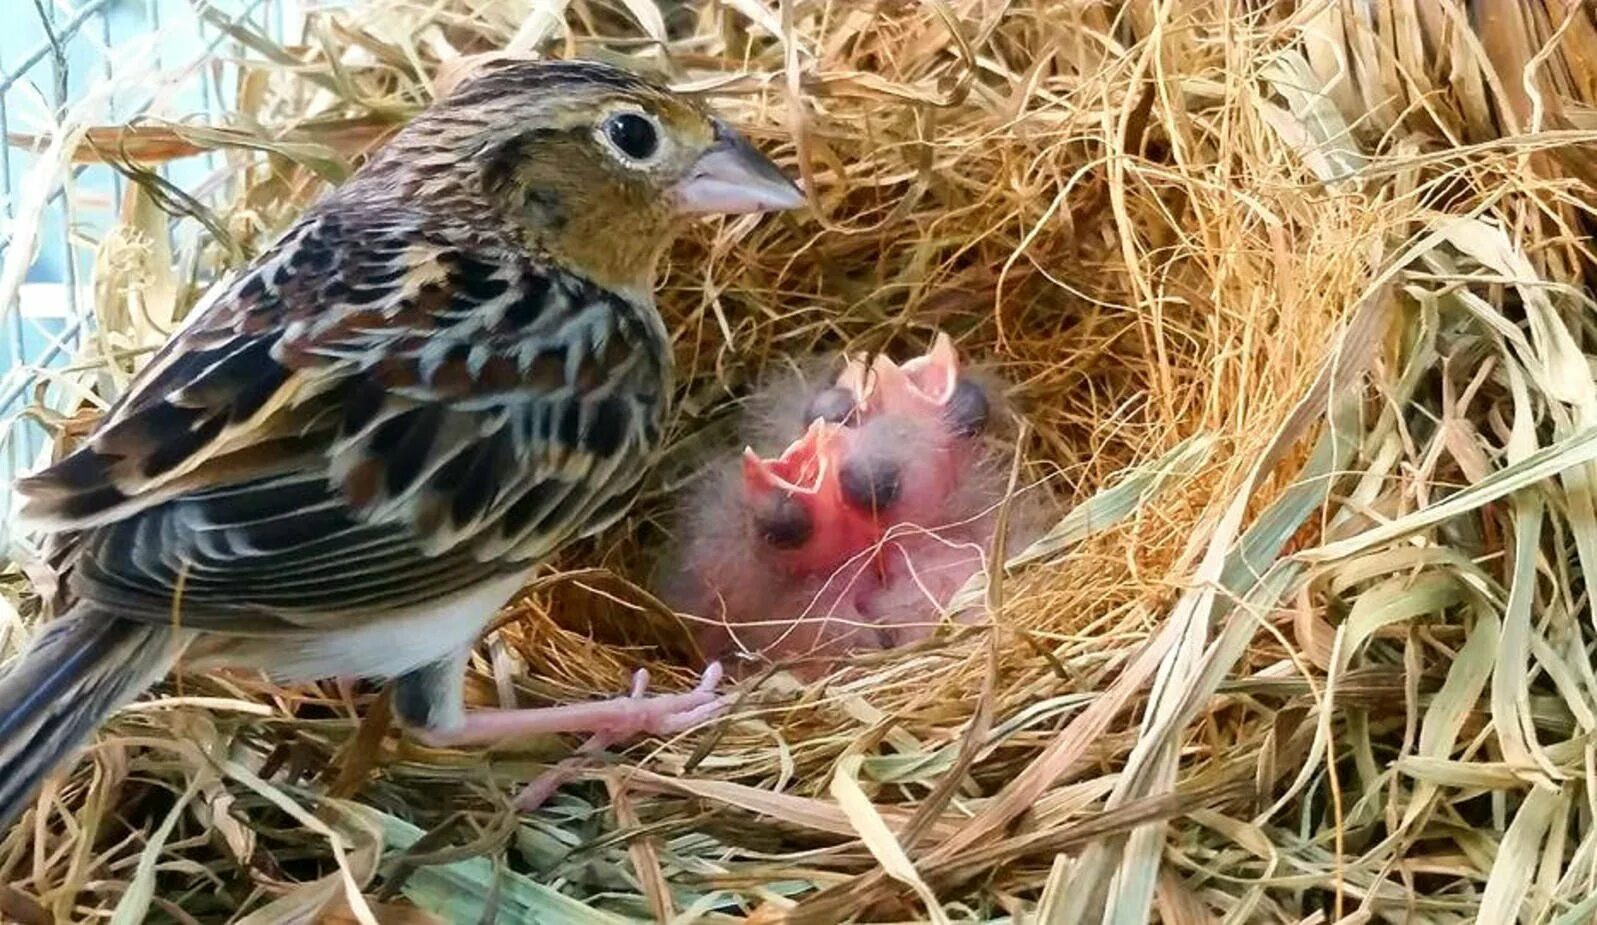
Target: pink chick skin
(857,534)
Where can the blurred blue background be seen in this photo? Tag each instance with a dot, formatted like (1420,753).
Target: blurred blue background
(104,61)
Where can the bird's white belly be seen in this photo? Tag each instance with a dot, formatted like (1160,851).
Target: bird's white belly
(393,644)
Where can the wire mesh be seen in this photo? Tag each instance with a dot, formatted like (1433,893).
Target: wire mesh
(63,66)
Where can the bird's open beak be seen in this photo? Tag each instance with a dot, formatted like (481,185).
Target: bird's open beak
(732,177)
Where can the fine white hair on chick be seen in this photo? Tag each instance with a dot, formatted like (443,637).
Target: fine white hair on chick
(779,410)
(894,509)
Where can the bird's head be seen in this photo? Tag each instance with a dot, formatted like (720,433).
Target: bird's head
(591,163)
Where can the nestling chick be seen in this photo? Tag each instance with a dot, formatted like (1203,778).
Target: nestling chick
(354,453)
(859,531)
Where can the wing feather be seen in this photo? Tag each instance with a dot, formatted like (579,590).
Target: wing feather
(372,416)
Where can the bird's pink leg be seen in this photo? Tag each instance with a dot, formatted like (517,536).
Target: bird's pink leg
(346,690)
(544,785)
(610,721)
(614,720)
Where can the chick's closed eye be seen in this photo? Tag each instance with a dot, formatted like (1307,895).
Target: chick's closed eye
(861,529)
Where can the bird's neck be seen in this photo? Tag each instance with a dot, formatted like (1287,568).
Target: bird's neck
(619,256)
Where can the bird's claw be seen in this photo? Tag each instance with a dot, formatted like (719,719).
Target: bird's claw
(628,716)
(636,713)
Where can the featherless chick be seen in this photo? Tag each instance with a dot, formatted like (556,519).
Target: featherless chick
(355,452)
(863,527)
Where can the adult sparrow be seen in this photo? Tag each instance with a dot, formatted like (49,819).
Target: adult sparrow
(356,451)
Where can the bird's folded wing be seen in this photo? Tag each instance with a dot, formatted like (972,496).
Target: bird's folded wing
(374,415)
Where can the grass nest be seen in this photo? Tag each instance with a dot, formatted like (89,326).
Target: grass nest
(1295,301)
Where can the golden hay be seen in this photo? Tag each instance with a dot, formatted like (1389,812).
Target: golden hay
(1294,300)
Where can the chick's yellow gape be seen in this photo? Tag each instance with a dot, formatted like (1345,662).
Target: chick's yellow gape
(355,453)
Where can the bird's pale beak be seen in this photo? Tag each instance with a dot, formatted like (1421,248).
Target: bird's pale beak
(732,177)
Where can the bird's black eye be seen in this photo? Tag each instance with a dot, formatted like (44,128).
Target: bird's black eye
(633,135)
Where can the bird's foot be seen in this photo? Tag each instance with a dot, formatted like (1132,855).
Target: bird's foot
(629,716)
(610,721)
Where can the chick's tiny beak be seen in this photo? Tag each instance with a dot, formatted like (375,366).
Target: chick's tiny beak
(732,177)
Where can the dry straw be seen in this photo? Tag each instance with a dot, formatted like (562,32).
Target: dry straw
(1294,298)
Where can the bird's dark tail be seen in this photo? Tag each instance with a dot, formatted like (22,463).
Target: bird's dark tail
(79,669)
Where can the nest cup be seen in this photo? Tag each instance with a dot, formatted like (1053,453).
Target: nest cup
(1267,287)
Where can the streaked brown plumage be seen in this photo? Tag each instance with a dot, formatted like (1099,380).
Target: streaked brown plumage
(356,451)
